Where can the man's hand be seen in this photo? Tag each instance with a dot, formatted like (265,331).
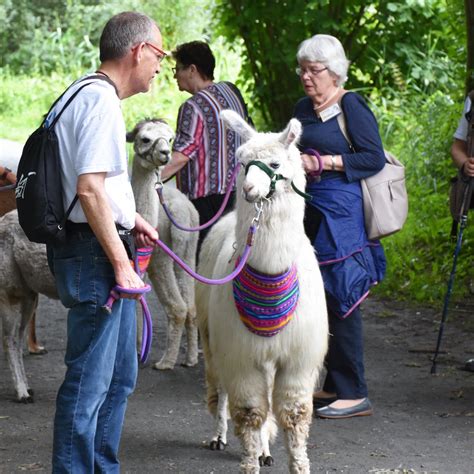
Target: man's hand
(145,234)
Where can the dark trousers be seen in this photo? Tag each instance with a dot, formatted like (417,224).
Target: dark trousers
(207,207)
(345,358)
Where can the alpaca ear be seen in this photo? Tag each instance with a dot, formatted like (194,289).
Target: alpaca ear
(234,121)
(291,134)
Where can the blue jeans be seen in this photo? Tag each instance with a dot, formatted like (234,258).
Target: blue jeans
(101,360)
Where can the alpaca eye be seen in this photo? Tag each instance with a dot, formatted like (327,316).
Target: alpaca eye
(274,165)
(146,140)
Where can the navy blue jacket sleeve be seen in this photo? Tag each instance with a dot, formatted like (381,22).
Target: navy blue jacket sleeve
(368,157)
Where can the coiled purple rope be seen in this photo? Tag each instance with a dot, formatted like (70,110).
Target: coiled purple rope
(230,186)
(114,295)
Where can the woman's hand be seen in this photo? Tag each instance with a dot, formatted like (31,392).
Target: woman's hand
(310,163)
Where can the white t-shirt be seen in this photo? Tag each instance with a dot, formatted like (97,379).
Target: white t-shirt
(91,134)
(461,132)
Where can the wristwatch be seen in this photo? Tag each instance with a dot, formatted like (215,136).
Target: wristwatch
(333,162)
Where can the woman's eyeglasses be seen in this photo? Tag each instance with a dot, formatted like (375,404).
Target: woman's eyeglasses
(312,71)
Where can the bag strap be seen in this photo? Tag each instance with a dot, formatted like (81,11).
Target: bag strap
(470,128)
(237,92)
(95,76)
(341,120)
(92,78)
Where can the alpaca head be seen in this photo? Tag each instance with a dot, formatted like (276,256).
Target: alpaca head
(271,160)
(151,142)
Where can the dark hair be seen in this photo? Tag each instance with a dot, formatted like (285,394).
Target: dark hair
(122,32)
(198,53)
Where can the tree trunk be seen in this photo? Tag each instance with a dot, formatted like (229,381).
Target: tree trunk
(469,7)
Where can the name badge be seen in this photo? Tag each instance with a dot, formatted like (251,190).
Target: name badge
(330,112)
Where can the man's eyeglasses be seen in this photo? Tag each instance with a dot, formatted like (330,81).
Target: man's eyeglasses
(312,71)
(161,54)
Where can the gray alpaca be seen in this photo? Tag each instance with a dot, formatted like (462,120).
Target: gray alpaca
(173,286)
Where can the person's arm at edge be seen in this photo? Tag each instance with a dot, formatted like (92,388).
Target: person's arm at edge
(94,202)
(178,161)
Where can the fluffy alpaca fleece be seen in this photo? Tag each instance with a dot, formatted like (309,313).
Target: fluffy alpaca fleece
(173,286)
(25,274)
(261,376)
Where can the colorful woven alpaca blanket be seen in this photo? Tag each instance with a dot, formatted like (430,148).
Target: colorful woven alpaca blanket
(266,303)
(142,260)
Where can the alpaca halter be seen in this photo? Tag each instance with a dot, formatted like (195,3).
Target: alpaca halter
(274,177)
(266,303)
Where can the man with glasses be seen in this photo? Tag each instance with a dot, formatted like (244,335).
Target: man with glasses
(101,355)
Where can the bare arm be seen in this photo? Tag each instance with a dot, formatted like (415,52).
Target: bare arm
(178,160)
(94,202)
(460,158)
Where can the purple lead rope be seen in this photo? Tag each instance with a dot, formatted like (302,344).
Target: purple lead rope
(209,281)
(230,186)
(114,295)
(147,322)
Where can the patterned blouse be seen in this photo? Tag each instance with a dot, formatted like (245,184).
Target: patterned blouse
(203,137)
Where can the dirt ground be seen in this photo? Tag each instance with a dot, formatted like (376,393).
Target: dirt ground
(422,423)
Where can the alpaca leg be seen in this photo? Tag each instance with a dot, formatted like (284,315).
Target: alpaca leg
(294,408)
(13,345)
(267,434)
(248,400)
(191,339)
(219,440)
(34,347)
(176,320)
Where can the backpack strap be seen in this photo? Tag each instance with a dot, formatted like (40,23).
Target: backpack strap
(237,92)
(101,77)
(95,76)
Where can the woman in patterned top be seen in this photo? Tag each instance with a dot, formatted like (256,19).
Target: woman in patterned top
(203,156)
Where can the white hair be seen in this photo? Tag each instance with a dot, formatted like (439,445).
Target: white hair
(327,50)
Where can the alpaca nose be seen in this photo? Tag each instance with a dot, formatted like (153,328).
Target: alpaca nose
(249,192)
(166,156)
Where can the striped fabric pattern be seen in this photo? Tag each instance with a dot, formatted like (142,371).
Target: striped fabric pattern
(266,303)
(143,260)
(210,146)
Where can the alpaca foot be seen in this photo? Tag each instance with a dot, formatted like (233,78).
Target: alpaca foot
(217,444)
(26,398)
(265,460)
(163,365)
(190,362)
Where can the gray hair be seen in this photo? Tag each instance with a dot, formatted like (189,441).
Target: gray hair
(327,50)
(122,32)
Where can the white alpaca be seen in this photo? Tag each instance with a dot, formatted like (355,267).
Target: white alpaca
(24,275)
(173,286)
(264,375)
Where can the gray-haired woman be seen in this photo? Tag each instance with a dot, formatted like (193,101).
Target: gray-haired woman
(334,221)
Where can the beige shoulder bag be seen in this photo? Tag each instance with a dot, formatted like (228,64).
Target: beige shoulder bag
(384,195)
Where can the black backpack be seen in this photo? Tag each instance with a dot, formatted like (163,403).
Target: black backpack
(38,192)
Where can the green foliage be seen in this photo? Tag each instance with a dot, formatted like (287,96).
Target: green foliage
(390,44)
(420,256)
(46,36)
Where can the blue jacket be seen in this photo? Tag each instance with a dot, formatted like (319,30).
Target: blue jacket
(350,263)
